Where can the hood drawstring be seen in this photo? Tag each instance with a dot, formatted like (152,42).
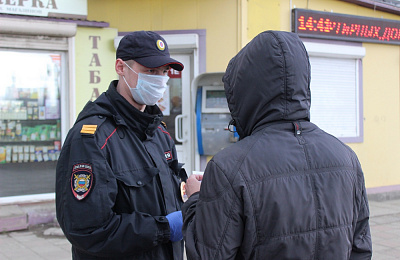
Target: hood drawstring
(232,126)
(234,136)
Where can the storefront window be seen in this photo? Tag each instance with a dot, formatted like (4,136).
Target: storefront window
(336,88)
(30,121)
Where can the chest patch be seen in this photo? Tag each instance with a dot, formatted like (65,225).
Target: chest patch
(168,155)
(81,180)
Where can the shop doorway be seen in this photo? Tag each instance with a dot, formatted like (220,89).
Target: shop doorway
(179,101)
(176,108)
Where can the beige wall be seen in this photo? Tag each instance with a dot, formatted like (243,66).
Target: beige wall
(230,24)
(218,17)
(379,154)
(380,151)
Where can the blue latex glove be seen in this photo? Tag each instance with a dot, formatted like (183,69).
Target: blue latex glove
(175,225)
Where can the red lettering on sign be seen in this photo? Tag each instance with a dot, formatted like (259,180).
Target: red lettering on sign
(395,34)
(301,24)
(345,27)
(320,25)
(174,74)
(329,25)
(309,24)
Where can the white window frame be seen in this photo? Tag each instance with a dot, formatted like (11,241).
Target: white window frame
(42,35)
(26,34)
(346,53)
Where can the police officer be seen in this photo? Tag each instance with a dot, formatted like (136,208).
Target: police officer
(117,187)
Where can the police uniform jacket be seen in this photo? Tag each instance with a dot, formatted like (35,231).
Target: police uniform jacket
(117,179)
(286,189)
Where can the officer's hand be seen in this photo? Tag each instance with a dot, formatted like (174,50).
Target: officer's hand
(193,184)
(175,225)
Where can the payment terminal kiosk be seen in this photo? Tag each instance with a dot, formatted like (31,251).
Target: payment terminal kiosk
(212,115)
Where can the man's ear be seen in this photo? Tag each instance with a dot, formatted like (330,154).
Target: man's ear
(119,67)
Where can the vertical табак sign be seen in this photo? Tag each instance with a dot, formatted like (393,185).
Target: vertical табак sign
(94,63)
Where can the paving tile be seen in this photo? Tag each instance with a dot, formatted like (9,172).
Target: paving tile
(383,257)
(3,256)
(395,252)
(61,243)
(59,255)
(391,243)
(386,219)
(45,251)
(384,236)
(31,257)
(379,248)
(389,254)
(18,253)
(23,236)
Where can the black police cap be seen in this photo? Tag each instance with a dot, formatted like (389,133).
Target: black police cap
(148,49)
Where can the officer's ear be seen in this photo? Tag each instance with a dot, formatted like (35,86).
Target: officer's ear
(119,66)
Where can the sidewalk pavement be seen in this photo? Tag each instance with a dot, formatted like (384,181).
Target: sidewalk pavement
(48,242)
(385,229)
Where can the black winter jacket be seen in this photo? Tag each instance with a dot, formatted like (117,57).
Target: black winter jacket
(287,189)
(117,179)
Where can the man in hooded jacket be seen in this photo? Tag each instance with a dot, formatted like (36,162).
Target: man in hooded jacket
(287,189)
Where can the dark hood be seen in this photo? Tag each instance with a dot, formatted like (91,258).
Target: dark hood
(268,81)
(100,107)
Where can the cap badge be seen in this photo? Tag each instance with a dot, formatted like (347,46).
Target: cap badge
(160,45)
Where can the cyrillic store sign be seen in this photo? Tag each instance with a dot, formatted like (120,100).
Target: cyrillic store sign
(49,8)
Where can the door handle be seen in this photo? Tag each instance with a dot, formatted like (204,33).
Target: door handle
(179,128)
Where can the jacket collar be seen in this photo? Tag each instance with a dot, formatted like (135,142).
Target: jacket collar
(144,124)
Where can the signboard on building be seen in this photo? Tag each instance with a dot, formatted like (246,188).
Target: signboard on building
(94,63)
(48,8)
(344,27)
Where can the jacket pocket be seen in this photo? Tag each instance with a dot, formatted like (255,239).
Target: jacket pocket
(138,191)
(137,177)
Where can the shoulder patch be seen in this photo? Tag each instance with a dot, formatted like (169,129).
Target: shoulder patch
(168,155)
(88,129)
(81,180)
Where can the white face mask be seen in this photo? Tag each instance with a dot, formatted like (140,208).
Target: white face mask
(149,88)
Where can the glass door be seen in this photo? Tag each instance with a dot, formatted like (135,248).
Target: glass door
(176,108)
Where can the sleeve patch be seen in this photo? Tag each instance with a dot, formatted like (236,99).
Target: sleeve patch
(168,155)
(81,180)
(88,129)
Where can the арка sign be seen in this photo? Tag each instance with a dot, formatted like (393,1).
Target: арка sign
(49,8)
